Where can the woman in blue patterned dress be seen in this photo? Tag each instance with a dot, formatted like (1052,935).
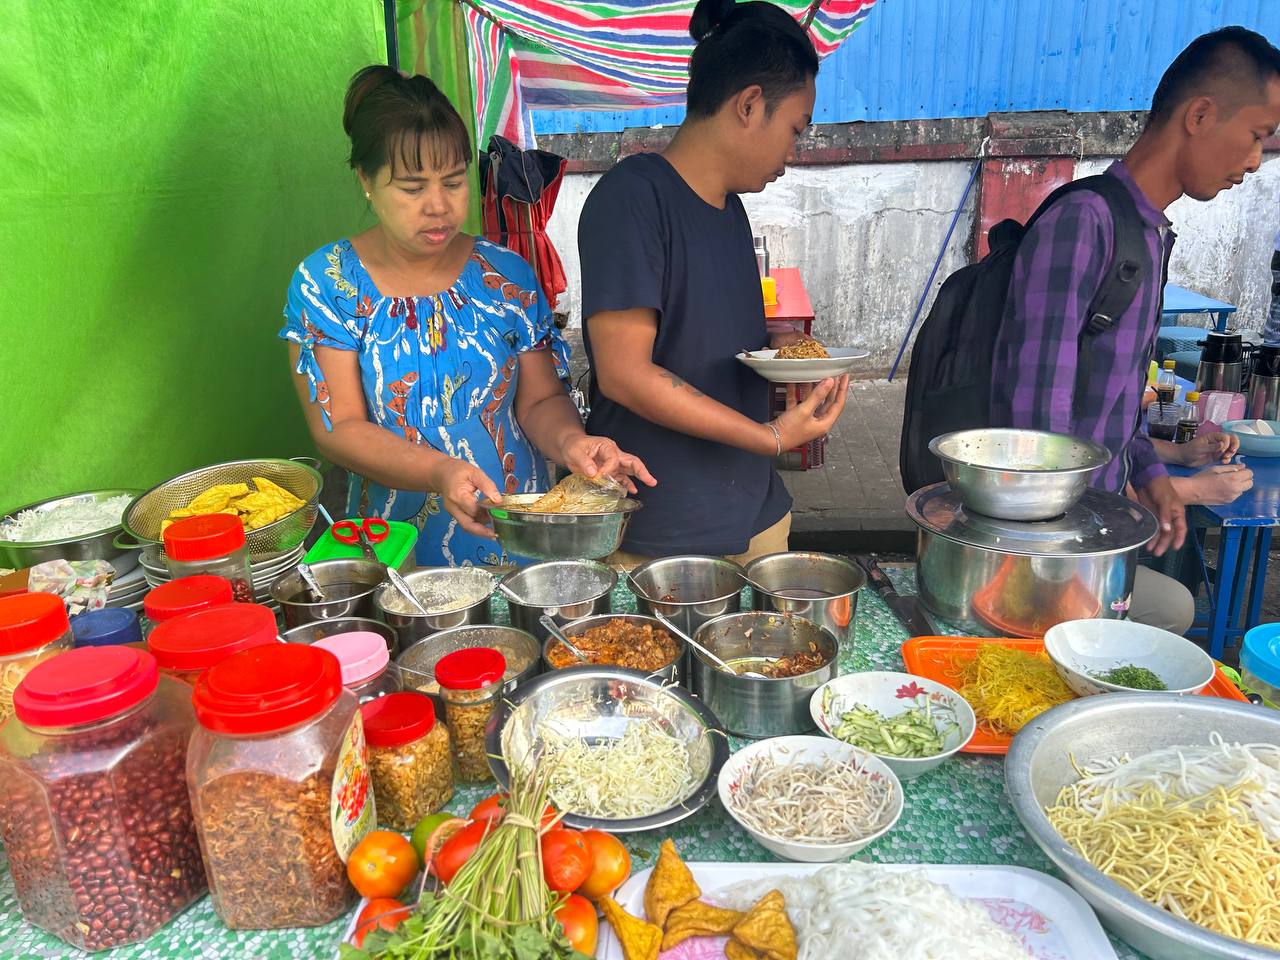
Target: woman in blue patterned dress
(426,359)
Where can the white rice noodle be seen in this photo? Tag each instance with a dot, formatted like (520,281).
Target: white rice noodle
(867,912)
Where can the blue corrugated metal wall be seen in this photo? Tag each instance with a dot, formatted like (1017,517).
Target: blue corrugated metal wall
(966,58)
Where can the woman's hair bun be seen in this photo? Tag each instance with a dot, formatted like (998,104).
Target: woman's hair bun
(708,15)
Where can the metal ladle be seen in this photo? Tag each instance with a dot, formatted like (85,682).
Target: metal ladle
(511,594)
(550,626)
(406,591)
(707,653)
(309,578)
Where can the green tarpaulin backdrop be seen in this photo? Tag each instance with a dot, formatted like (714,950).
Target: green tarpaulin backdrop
(164,166)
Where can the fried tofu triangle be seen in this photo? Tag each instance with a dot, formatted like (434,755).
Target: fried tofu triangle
(698,919)
(670,885)
(640,940)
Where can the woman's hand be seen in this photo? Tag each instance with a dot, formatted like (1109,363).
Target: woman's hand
(815,415)
(600,456)
(458,484)
(1208,448)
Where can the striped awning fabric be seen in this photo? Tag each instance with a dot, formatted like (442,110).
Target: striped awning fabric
(615,55)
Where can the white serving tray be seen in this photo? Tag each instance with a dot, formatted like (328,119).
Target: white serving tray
(1049,917)
(767,365)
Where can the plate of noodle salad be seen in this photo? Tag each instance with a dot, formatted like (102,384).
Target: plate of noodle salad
(805,362)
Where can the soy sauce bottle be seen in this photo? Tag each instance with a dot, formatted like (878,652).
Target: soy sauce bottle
(1189,422)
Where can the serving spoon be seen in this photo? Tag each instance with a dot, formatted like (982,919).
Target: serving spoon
(550,626)
(709,655)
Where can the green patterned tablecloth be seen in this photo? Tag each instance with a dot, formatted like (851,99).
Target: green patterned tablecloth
(957,813)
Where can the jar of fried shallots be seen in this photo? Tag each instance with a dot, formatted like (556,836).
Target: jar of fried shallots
(470,683)
(33,627)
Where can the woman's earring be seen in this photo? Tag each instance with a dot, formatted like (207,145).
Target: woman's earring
(366,194)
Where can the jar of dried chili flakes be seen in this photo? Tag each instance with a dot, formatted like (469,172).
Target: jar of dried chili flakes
(188,645)
(94,810)
(214,544)
(279,780)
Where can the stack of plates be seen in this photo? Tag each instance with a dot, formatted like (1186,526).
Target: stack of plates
(128,591)
(264,573)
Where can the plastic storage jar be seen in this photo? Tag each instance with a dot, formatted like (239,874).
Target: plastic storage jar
(93,802)
(108,627)
(33,627)
(470,683)
(214,544)
(367,670)
(187,646)
(409,758)
(279,781)
(187,595)
(1260,662)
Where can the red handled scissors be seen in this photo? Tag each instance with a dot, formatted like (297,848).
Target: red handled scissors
(374,529)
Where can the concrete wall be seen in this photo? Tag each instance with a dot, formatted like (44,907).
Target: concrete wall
(865,237)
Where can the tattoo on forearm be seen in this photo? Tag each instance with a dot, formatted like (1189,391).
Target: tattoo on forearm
(678,382)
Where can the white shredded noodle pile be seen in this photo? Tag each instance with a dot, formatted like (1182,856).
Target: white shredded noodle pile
(865,911)
(73,519)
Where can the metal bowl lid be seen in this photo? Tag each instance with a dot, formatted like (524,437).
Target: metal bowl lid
(1099,524)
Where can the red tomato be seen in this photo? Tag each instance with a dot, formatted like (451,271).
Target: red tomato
(566,859)
(379,913)
(610,864)
(382,864)
(578,917)
(457,850)
(490,808)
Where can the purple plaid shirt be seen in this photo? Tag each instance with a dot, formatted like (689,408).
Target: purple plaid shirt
(1060,265)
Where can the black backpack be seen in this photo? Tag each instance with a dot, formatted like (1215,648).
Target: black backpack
(949,384)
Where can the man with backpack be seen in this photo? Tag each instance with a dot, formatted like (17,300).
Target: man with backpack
(1063,360)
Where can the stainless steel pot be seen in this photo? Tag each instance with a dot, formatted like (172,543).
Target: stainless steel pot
(673,672)
(519,649)
(1020,579)
(564,590)
(357,579)
(760,706)
(816,586)
(311,632)
(412,627)
(688,591)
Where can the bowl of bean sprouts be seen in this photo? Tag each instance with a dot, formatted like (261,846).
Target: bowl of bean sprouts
(810,799)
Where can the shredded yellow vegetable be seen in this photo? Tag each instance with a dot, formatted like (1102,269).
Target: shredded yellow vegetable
(1008,688)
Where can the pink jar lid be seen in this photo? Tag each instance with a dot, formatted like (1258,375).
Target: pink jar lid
(362,654)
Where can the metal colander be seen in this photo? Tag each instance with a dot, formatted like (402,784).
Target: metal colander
(142,518)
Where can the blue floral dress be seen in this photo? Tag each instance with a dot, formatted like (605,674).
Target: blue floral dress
(441,370)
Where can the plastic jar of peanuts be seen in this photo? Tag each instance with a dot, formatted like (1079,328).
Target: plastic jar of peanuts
(187,595)
(214,544)
(279,780)
(409,758)
(367,670)
(93,797)
(187,646)
(470,683)
(33,627)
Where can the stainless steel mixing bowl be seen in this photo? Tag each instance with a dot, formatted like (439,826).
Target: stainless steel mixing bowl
(1039,765)
(598,704)
(413,626)
(359,578)
(95,545)
(688,591)
(560,536)
(816,586)
(1018,474)
(564,590)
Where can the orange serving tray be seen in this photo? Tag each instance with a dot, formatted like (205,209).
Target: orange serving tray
(931,657)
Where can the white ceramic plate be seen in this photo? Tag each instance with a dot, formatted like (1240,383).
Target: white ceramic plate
(1050,918)
(766,364)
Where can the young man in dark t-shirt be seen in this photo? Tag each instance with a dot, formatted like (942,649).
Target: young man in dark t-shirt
(671,293)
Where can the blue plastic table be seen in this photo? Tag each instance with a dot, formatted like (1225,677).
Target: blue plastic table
(1235,592)
(1179,300)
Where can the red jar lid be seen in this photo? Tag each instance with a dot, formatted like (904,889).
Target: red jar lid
(85,685)
(470,669)
(397,719)
(266,689)
(205,537)
(31,620)
(196,641)
(186,595)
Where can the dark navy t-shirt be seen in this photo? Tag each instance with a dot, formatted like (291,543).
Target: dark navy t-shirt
(647,240)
